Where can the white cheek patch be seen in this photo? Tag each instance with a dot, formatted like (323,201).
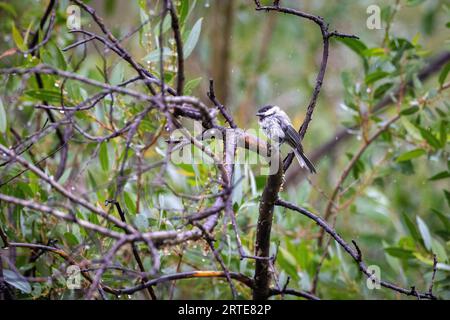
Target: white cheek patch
(271,111)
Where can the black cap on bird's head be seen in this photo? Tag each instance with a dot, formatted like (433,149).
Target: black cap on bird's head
(266,111)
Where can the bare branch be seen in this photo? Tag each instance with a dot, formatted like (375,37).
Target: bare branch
(354,253)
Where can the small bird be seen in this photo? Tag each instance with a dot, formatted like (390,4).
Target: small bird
(278,127)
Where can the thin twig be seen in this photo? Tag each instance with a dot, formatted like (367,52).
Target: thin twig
(354,253)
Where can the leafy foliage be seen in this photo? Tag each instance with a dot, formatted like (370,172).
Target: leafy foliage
(395,201)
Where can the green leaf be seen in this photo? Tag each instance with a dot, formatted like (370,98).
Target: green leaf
(9,8)
(411,155)
(129,203)
(154,56)
(430,138)
(92,180)
(400,44)
(411,227)
(3,120)
(447,197)
(192,39)
(71,239)
(374,52)
(375,76)
(440,175)
(354,44)
(51,96)
(444,73)
(411,129)
(183,11)
(104,158)
(146,28)
(445,219)
(18,40)
(191,85)
(424,232)
(439,251)
(399,252)
(17,281)
(117,74)
(59,57)
(382,89)
(443,133)
(409,111)
(288,263)
(52,55)
(166,25)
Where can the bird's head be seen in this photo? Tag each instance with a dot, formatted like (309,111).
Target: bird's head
(267,111)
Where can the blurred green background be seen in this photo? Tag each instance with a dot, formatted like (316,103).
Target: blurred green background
(388,204)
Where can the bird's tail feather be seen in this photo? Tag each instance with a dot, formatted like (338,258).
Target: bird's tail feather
(304,161)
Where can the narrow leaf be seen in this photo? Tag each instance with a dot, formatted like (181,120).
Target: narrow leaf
(399,252)
(356,45)
(443,133)
(3,121)
(17,281)
(447,197)
(375,76)
(18,40)
(191,85)
(444,73)
(104,159)
(411,155)
(430,138)
(409,111)
(424,232)
(192,39)
(9,8)
(440,175)
(411,227)
(129,203)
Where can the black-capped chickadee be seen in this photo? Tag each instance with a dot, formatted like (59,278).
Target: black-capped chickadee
(278,127)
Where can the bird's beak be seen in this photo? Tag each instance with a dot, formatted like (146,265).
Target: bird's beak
(259,114)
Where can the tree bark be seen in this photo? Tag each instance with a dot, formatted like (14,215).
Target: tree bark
(262,275)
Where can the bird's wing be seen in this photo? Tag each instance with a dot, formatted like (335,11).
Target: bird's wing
(291,135)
